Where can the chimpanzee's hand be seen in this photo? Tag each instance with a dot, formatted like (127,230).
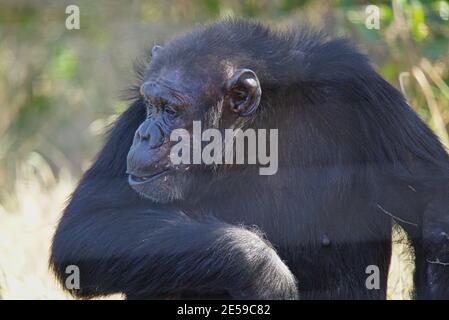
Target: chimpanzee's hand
(257,271)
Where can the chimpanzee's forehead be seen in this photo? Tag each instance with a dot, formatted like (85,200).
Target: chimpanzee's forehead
(197,76)
(203,60)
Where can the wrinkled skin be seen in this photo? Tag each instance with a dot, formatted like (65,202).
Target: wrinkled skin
(172,104)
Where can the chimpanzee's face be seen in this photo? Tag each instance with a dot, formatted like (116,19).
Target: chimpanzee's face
(174,99)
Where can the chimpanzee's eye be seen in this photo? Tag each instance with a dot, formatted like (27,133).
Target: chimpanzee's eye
(170,110)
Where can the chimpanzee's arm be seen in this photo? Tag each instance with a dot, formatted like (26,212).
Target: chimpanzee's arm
(152,254)
(123,243)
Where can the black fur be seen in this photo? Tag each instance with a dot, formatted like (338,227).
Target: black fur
(352,155)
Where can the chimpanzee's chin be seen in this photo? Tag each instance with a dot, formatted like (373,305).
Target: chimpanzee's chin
(157,198)
(161,190)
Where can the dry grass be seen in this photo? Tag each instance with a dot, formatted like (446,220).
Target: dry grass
(400,278)
(25,237)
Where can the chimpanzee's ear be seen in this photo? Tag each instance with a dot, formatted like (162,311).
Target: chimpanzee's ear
(155,51)
(243,92)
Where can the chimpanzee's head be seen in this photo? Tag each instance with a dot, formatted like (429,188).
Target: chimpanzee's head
(182,84)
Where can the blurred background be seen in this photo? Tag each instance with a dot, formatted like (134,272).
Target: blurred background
(61,89)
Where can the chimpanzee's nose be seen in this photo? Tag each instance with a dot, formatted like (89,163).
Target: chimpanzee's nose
(143,133)
(150,132)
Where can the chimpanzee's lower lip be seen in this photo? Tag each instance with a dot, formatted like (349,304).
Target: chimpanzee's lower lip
(136,180)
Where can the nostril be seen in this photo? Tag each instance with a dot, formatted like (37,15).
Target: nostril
(143,134)
(144,137)
(151,133)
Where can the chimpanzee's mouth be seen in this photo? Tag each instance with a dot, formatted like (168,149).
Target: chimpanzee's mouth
(136,180)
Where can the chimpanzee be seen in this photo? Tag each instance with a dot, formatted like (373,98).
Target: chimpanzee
(352,159)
